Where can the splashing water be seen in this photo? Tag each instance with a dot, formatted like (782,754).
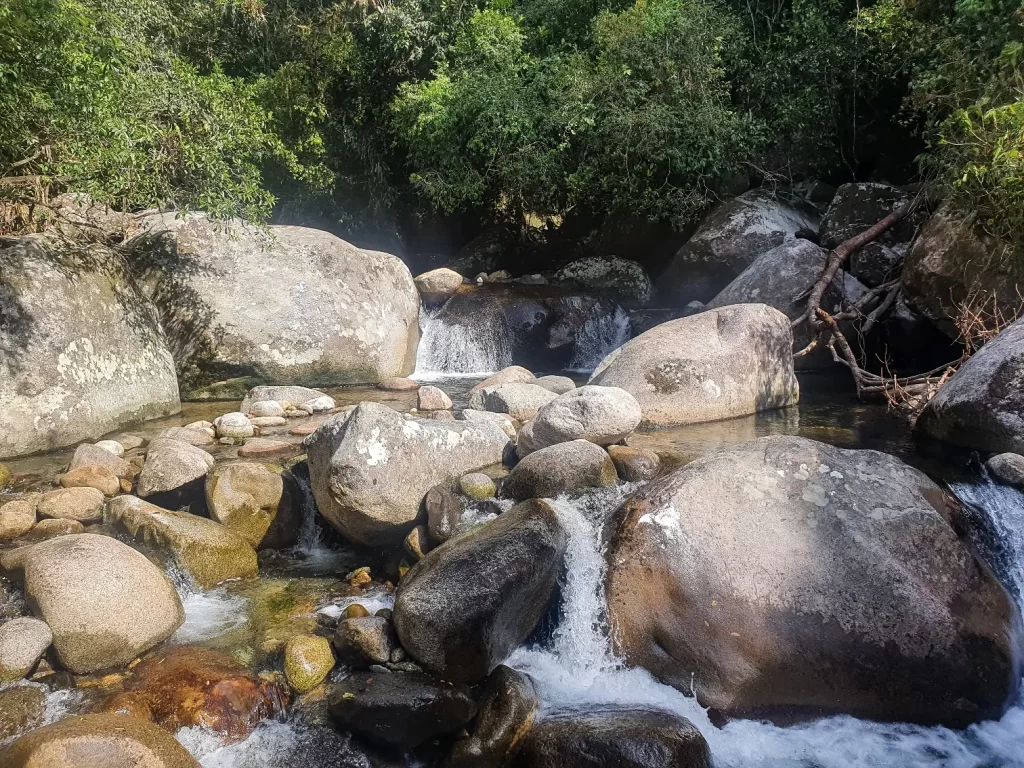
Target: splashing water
(459,350)
(577,668)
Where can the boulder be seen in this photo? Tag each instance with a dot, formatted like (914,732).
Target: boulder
(87,455)
(727,242)
(308,660)
(508,425)
(235,425)
(519,400)
(981,406)
(777,278)
(47,529)
(620,279)
(286,395)
(399,710)
(83,351)
(877,263)
(17,518)
(613,738)
(93,478)
(433,399)
(512,374)
(104,602)
(173,466)
(206,551)
(634,465)
(99,741)
(858,207)
(370,469)
(437,285)
(82,504)
(562,468)
(1008,467)
(730,361)
(462,609)
(23,641)
(953,262)
(599,414)
(557,384)
(266,408)
(507,706)
(190,686)
(287,304)
(364,640)
(259,502)
(786,579)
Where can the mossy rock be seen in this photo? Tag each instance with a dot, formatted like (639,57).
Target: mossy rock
(308,659)
(229,389)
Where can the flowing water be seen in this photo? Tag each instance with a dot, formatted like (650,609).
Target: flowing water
(460,350)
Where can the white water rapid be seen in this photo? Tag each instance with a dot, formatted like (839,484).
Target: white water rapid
(599,335)
(459,350)
(577,668)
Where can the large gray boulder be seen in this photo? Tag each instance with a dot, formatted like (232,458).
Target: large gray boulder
(785,578)
(171,465)
(727,242)
(520,400)
(620,279)
(982,405)
(81,351)
(779,277)
(859,206)
(287,304)
(602,415)
(953,261)
(730,361)
(371,468)
(462,609)
(104,602)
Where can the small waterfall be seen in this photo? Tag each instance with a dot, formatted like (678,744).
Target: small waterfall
(447,350)
(310,535)
(600,334)
(577,668)
(1001,513)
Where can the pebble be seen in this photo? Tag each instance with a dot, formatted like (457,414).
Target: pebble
(266,408)
(259,446)
(234,425)
(308,660)
(100,478)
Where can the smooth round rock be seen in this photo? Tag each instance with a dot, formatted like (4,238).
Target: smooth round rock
(308,660)
(477,486)
(1008,467)
(264,422)
(433,399)
(100,478)
(82,504)
(235,425)
(98,741)
(262,447)
(111,446)
(171,465)
(48,529)
(22,643)
(104,602)
(17,518)
(399,384)
(601,415)
(264,408)
(364,640)
(558,469)
(634,465)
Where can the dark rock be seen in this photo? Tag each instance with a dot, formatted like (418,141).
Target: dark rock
(558,469)
(613,738)
(399,710)
(877,263)
(857,207)
(1008,467)
(468,604)
(982,405)
(507,705)
(444,512)
(634,465)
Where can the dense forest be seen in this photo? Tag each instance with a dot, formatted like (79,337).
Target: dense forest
(383,118)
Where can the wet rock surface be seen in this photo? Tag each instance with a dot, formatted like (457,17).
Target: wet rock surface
(559,469)
(468,604)
(788,579)
(399,710)
(508,704)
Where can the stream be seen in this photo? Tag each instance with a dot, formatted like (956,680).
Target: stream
(574,665)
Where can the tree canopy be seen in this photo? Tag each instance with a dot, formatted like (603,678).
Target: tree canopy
(366,114)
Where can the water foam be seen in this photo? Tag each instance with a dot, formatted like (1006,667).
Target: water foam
(459,350)
(576,667)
